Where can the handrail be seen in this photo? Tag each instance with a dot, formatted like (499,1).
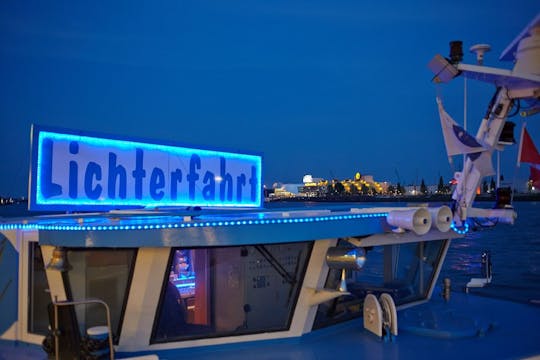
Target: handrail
(57,303)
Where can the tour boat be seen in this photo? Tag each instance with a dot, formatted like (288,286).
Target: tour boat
(160,250)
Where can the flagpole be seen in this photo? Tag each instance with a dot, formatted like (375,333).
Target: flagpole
(465,103)
(498,168)
(464,122)
(518,163)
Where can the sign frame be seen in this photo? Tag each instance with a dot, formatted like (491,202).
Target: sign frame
(73,170)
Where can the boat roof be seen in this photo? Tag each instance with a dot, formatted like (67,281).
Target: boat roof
(196,228)
(173,228)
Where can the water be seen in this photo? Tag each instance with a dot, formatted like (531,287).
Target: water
(514,249)
(515,254)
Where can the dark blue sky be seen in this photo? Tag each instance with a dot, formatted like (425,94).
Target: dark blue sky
(322,87)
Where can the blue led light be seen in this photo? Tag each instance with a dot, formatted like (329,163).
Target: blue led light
(461,231)
(61,177)
(149,225)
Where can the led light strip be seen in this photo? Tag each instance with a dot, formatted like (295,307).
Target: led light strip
(187,224)
(462,231)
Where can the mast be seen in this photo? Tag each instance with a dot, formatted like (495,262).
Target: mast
(520,83)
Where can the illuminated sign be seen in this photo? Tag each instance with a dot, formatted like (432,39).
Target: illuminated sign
(79,171)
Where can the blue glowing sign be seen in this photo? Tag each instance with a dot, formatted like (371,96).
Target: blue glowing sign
(78,171)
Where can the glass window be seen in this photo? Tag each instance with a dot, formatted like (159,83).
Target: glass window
(405,271)
(103,274)
(227,291)
(38,292)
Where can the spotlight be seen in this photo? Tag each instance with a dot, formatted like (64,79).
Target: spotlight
(345,258)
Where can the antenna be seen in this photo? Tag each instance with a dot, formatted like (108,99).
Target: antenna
(480,50)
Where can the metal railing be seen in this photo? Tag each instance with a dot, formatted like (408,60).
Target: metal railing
(57,303)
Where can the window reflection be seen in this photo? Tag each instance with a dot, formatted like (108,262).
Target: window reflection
(38,292)
(103,274)
(230,290)
(405,271)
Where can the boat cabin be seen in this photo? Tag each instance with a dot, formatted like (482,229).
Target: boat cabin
(152,279)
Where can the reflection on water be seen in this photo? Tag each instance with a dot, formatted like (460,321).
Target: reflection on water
(464,256)
(515,254)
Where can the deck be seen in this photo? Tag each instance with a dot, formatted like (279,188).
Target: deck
(507,330)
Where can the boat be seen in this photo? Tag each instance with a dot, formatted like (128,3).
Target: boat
(157,250)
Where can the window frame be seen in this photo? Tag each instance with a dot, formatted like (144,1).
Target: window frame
(422,298)
(117,332)
(26,240)
(301,271)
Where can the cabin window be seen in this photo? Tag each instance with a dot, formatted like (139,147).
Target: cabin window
(100,274)
(38,291)
(405,271)
(227,291)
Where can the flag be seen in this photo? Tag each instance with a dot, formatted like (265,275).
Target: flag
(527,151)
(482,162)
(457,140)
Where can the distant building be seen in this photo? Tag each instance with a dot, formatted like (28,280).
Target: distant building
(319,187)
(284,191)
(309,179)
(292,188)
(415,189)
(313,187)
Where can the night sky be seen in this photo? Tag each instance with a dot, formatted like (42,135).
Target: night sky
(327,88)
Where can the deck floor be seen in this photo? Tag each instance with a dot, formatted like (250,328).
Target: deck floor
(510,331)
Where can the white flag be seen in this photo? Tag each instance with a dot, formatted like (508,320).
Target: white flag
(482,162)
(457,140)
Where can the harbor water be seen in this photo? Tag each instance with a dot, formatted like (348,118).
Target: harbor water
(515,255)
